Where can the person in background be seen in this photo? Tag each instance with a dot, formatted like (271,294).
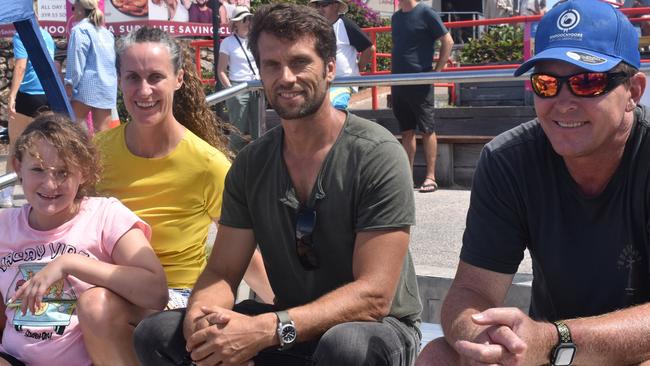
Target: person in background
(200,12)
(66,245)
(26,99)
(167,164)
(532,7)
(497,9)
(570,186)
(236,65)
(415,30)
(643,25)
(350,41)
(328,197)
(90,78)
(230,6)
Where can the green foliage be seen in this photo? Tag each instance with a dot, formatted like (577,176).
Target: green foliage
(384,45)
(121,109)
(504,43)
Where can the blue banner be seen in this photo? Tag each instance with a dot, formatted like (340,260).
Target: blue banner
(15,10)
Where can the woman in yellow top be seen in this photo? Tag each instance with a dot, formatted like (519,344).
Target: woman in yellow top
(167,165)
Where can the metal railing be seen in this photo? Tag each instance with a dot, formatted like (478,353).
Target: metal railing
(480,76)
(8,179)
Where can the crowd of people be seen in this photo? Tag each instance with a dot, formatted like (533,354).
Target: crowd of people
(106,264)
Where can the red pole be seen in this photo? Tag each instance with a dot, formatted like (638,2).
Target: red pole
(373,69)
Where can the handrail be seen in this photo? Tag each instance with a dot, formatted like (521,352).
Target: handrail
(383,79)
(479,76)
(459,75)
(8,179)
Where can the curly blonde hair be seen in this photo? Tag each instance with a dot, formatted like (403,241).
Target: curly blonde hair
(72,143)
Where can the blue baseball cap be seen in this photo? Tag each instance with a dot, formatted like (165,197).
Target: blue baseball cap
(590,34)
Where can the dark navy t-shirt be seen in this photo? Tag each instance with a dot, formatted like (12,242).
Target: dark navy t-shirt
(590,254)
(414,35)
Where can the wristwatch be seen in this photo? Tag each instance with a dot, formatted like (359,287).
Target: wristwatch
(565,350)
(286,330)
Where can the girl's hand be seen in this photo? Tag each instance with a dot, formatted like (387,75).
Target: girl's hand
(32,292)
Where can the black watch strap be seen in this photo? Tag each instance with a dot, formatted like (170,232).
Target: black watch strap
(564,352)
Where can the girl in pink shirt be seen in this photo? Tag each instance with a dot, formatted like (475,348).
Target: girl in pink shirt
(63,245)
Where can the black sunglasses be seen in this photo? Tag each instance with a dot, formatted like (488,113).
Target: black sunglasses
(583,84)
(305,224)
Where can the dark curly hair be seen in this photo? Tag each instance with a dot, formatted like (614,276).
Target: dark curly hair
(291,22)
(191,110)
(72,143)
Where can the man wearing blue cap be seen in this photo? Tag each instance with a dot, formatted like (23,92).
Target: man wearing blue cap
(572,187)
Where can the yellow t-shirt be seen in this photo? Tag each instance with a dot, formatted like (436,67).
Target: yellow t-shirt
(178,195)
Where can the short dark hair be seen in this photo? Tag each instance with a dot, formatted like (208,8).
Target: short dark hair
(626,68)
(291,22)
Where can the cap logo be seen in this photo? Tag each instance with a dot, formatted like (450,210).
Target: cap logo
(586,57)
(568,20)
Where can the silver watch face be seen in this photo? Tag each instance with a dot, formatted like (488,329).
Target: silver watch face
(564,355)
(288,333)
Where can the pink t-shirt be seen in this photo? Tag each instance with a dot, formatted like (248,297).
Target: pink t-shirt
(52,336)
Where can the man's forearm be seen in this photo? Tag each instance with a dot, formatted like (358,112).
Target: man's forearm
(211,289)
(617,338)
(456,314)
(365,57)
(446,44)
(355,301)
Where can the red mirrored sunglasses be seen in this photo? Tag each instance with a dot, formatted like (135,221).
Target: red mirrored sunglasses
(583,84)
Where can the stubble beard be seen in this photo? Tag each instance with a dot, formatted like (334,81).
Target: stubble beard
(307,109)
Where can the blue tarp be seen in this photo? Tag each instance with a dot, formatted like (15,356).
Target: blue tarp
(15,10)
(21,14)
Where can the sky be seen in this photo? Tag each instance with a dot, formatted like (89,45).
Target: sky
(550,3)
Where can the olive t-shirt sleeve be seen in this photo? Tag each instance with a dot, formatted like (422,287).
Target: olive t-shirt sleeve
(386,189)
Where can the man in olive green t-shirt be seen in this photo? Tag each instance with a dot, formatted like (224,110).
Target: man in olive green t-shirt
(328,198)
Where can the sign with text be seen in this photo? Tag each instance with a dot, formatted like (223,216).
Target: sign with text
(51,10)
(183,18)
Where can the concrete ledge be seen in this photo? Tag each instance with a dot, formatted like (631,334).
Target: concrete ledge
(434,282)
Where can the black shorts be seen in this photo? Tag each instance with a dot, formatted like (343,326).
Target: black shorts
(31,104)
(413,106)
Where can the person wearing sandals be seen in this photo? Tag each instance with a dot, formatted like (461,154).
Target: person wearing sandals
(236,65)
(415,30)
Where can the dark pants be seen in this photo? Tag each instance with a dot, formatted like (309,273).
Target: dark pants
(159,341)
